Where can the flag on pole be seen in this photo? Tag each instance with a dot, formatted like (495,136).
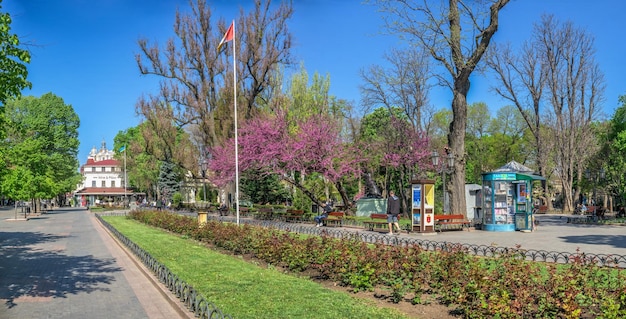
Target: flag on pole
(228,36)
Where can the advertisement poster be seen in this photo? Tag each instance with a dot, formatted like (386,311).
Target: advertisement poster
(416,218)
(417,196)
(521,193)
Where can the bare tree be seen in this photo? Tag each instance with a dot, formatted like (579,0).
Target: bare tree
(456,34)
(521,80)
(196,79)
(404,84)
(576,87)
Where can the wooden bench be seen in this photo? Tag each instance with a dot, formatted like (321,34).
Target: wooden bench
(446,222)
(244,211)
(377,221)
(596,211)
(334,218)
(264,213)
(294,215)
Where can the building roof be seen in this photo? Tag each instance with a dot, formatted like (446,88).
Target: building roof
(108,191)
(514,166)
(108,162)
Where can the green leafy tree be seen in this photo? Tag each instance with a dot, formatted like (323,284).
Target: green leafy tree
(41,148)
(142,168)
(614,153)
(13,73)
(13,60)
(399,152)
(264,189)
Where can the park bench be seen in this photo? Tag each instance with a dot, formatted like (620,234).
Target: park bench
(447,222)
(334,218)
(244,211)
(596,211)
(377,221)
(264,213)
(294,215)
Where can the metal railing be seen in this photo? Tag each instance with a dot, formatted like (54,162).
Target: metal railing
(195,302)
(605,260)
(428,245)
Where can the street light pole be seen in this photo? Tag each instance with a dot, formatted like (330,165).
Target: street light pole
(446,168)
(204,165)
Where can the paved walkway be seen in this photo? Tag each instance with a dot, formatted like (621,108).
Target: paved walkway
(552,234)
(65,265)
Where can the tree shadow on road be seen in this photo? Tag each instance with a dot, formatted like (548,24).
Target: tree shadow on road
(27,271)
(618,241)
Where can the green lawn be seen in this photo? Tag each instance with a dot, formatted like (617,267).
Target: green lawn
(241,289)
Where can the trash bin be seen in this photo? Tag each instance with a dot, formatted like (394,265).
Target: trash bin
(315,209)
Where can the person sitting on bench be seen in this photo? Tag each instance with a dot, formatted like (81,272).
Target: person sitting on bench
(318,219)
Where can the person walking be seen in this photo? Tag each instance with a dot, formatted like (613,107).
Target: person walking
(393,211)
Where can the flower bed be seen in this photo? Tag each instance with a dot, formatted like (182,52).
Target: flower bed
(505,287)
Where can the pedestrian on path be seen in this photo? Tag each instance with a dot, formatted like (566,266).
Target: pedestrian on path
(393,210)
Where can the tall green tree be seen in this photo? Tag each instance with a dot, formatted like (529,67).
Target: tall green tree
(614,153)
(142,168)
(13,60)
(41,147)
(13,73)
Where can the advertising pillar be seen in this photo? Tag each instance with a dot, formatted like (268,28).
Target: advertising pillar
(423,206)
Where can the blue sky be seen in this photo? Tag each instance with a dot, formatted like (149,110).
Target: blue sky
(83,50)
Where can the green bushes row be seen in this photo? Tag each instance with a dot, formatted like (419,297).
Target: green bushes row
(503,287)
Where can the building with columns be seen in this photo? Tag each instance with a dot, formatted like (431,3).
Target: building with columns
(103,180)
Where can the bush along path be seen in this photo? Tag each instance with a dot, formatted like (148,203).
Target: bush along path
(504,287)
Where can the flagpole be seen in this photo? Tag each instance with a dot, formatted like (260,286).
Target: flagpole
(236,136)
(125,201)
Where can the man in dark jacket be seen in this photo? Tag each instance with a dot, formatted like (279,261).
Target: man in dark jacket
(393,210)
(319,220)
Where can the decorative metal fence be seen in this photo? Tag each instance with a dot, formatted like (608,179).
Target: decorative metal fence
(428,245)
(195,302)
(477,250)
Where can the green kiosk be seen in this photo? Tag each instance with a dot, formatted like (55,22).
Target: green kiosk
(507,198)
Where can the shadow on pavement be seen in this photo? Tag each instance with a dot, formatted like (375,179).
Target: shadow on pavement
(32,272)
(617,241)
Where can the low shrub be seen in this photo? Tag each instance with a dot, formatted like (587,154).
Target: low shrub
(506,286)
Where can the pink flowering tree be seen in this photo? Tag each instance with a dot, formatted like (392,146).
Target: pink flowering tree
(270,144)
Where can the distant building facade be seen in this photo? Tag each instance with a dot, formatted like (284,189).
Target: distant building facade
(103,180)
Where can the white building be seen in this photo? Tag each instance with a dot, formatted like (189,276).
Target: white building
(103,179)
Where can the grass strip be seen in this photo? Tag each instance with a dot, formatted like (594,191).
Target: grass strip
(241,289)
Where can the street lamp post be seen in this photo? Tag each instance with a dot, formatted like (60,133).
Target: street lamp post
(203,167)
(446,168)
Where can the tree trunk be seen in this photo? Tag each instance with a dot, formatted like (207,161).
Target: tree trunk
(347,203)
(456,140)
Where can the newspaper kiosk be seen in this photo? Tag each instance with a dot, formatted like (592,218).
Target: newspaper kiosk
(507,198)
